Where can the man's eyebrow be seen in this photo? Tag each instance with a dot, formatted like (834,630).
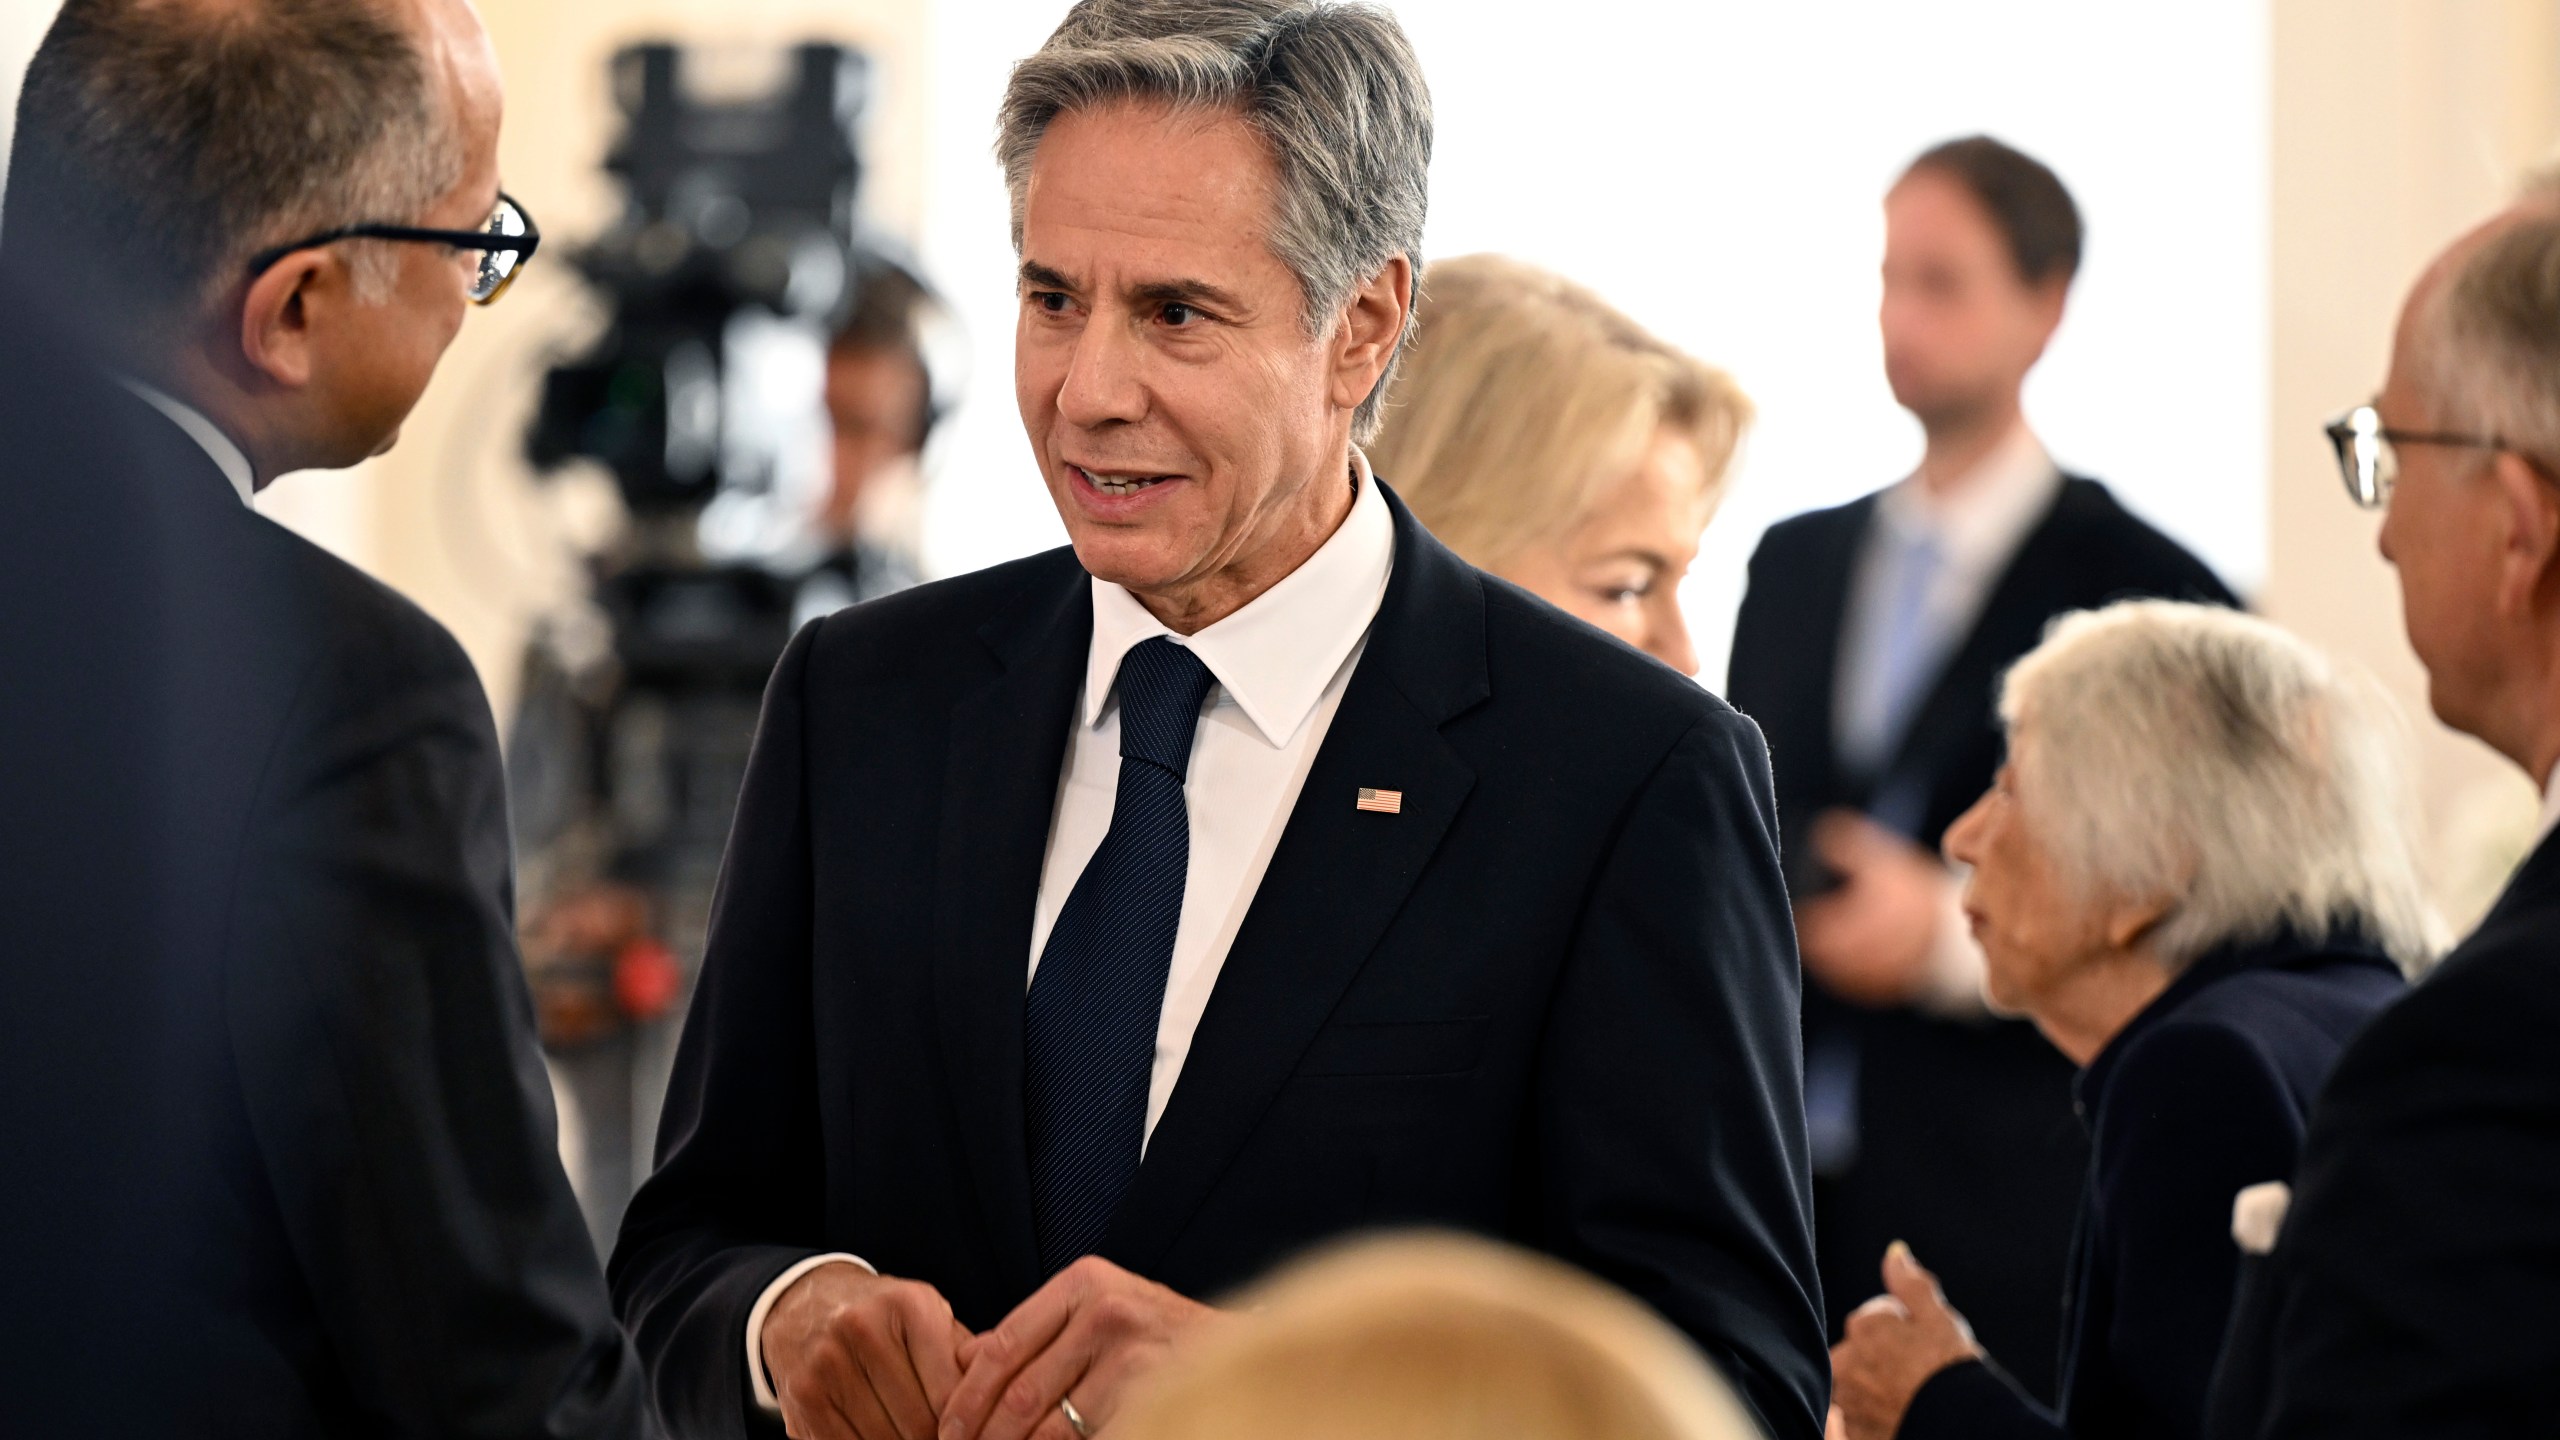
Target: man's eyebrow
(1185,292)
(1037,276)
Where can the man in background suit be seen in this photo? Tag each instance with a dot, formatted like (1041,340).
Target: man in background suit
(2411,1287)
(280,1148)
(1100,928)
(1869,648)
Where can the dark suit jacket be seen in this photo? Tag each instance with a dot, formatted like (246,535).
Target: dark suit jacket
(2412,1290)
(1552,1001)
(1966,1143)
(280,1152)
(2205,1093)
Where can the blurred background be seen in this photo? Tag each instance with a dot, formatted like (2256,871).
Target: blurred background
(2261,179)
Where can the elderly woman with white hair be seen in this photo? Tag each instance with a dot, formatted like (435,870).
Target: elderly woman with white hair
(2192,875)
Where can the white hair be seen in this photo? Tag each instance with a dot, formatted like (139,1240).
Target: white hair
(1333,89)
(2206,758)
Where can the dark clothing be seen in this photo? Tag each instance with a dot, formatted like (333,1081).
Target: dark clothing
(1552,1001)
(1964,1142)
(2204,1094)
(2412,1290)
(280,1148)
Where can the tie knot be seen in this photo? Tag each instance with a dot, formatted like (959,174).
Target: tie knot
(1161,687)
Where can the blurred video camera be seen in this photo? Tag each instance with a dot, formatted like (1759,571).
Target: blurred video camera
(735,252)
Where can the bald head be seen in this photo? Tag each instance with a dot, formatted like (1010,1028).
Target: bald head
(160,143)
(2479,335)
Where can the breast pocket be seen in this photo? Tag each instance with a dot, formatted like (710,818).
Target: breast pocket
(1403,1047)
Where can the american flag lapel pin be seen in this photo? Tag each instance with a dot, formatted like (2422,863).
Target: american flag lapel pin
(1380,802)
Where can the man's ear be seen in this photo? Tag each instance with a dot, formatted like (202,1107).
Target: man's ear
(278,311)
(2049,298)
(1372,323)
(2530,507)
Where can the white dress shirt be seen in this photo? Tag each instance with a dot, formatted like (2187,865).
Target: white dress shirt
(1281,664)
(226,456)
(2550,808)
(1978,526)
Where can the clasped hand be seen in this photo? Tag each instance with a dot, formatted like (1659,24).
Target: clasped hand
(858,1356)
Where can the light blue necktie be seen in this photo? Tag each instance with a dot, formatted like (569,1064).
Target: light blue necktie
(1903,650)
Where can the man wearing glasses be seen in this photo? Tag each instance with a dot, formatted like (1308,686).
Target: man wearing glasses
(280,1145)
(2412,1281)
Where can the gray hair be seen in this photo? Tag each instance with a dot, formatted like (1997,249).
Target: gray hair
(1333,89)
(2206,757)
(162,143)
(2492,331)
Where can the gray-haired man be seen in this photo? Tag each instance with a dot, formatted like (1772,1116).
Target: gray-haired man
(2411,1287)
(1100,928)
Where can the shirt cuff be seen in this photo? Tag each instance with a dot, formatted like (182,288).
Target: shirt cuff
(757,1380)
(1952,988)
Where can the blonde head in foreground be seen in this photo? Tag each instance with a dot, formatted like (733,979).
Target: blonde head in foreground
(1438,1338)
(1549,439)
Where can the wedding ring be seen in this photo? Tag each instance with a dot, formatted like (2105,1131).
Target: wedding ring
(1075,1420)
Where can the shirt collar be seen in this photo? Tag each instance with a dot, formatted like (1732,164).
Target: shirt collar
(1982,520)
(1274,657)
(217,446)
(2550,808)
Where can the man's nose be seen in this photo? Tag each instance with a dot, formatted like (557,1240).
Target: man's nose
(1105,378)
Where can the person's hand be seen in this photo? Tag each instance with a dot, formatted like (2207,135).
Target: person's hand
(1870,939)
(1891,1346)
(1084,1337)
(858,1356)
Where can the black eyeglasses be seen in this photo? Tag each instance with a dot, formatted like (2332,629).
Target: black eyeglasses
(505,243)
(2367,456)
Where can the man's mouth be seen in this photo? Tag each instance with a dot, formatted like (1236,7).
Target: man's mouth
(1118,482)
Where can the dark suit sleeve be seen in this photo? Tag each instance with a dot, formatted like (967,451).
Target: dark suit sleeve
(2418,1265)
(387,1067)
(1670,1107)
(738,1193)
(1973,1401)
(2197,1115)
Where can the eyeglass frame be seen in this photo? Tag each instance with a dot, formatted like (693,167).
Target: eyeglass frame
(2343,434)
(522,245)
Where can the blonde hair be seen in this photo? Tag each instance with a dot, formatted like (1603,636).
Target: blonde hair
(2206,757)
(1438,1337)
(1525,396)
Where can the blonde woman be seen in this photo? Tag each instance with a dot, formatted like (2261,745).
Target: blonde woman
(1553,441)
(1438,1338)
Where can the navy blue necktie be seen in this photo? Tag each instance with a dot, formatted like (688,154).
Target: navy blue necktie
(1089,1031)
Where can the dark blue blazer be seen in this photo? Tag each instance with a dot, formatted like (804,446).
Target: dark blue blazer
(2412,1291)
(2204,1094)
(279,1151)
(1553,1001)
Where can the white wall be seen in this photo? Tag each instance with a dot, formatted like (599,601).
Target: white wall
(1716,169)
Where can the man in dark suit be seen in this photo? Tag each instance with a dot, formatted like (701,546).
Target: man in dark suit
(1869,649)
(2411,1287)
(281,1159)
(1100,928)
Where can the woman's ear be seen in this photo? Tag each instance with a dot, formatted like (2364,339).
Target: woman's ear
(2130,923)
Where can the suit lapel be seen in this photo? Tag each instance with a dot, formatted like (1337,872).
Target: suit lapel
(1336,882)
(1000,788)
